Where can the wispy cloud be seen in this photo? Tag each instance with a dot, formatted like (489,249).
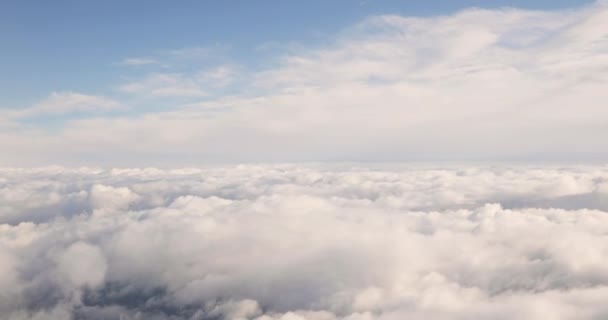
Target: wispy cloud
(60,103)
(189,53)
(139,61)
(182,84)
(477,84)
(165,85)
(176,57)
(219,77)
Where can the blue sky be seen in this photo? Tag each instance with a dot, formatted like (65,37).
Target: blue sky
(85,82)
(74,45)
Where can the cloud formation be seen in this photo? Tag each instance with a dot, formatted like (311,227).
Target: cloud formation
(180,84)
(165,84)
(476,84)
(61,103)
(138,61)
(304,242)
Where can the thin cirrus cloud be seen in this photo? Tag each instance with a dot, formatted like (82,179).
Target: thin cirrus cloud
(165,85)
(139,61)
(282,242)
(167,58)
(476,84)
(182,84)
(61,103)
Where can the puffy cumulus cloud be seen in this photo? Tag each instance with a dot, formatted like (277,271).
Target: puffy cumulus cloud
(475,84)
(82,265)
(287,242)
(109,197)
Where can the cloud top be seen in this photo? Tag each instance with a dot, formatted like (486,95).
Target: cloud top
(295,242)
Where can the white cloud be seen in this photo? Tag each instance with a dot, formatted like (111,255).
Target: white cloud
(191,53)
(477,84)
(103,197)
(219,76)
(82,265)
(139,61)
(306,242)
(165,85)
(180,84)
(59,103)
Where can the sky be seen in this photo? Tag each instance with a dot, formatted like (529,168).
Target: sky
(303,160)
(160,83)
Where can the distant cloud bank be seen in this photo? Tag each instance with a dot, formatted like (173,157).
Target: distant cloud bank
(294,242)
(477,84)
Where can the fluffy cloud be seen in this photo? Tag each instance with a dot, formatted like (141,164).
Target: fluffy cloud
(476,84)
(304,242)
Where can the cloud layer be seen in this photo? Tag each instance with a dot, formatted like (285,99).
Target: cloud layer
(61,103)
(476,84)
(304,242)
